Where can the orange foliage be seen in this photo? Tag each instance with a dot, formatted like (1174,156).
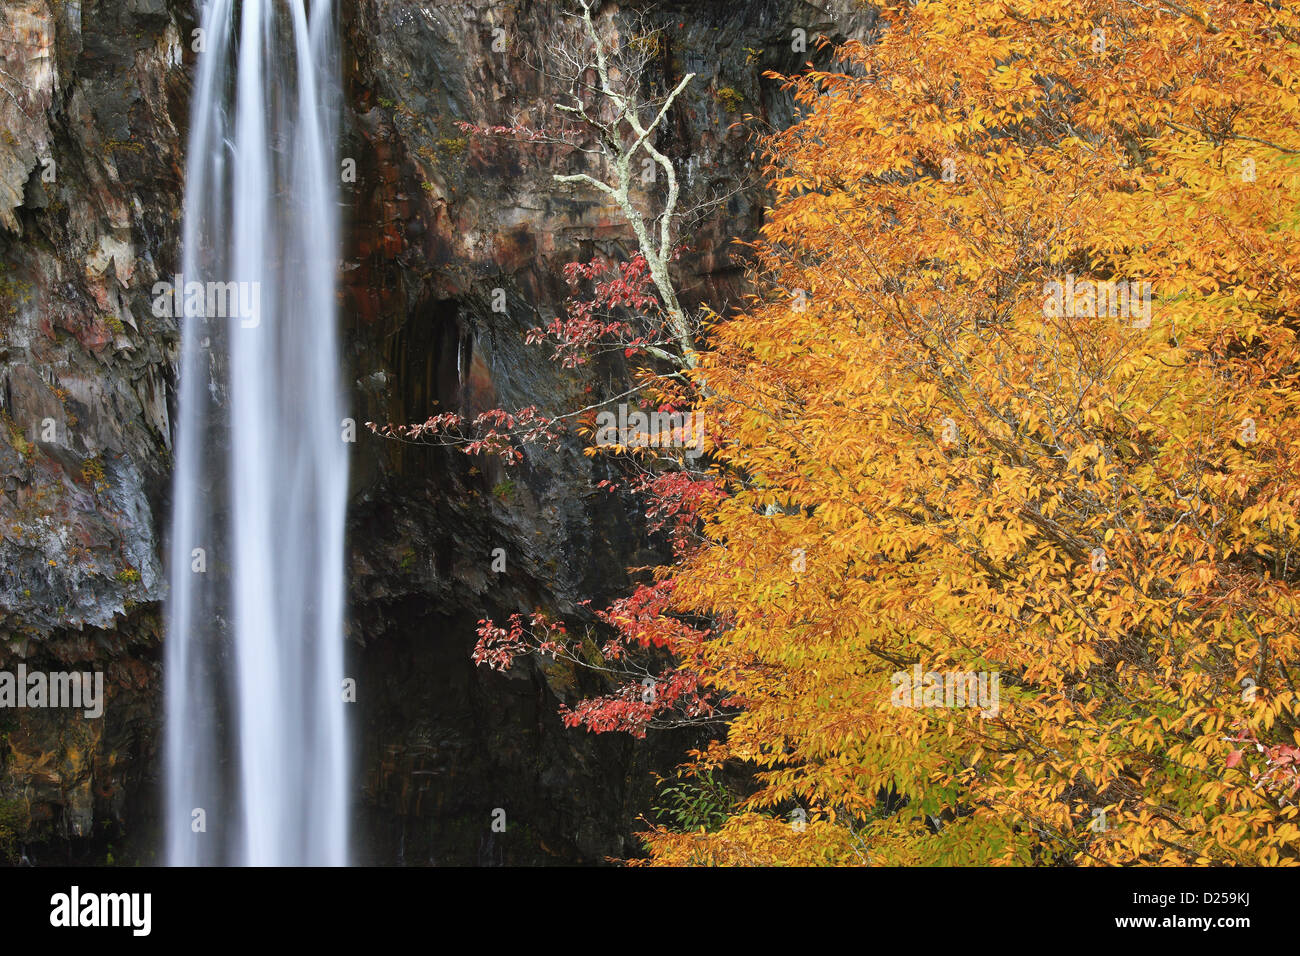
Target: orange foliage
(1021,402)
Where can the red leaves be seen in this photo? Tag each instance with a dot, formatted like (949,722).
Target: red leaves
(1280,770)
(434,424)
(590,321)
(636,706)
(494,432)
(641,619)
(676,501)
(499,647)
(644,699)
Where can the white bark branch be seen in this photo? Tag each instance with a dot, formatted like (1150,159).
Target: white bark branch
(657,249)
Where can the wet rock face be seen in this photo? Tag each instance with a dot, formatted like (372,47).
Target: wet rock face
(446,226)
(89,206)
(442,227)
(92,104)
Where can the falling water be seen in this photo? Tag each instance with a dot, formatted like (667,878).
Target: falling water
(255,731)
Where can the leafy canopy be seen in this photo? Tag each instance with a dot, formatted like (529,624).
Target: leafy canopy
(936,457)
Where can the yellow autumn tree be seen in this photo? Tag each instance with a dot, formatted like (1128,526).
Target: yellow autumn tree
(1018,413)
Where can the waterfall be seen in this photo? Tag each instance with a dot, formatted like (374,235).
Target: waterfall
(256,756)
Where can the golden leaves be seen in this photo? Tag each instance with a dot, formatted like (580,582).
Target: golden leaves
(950,455)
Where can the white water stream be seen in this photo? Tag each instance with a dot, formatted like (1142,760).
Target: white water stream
(255,735)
